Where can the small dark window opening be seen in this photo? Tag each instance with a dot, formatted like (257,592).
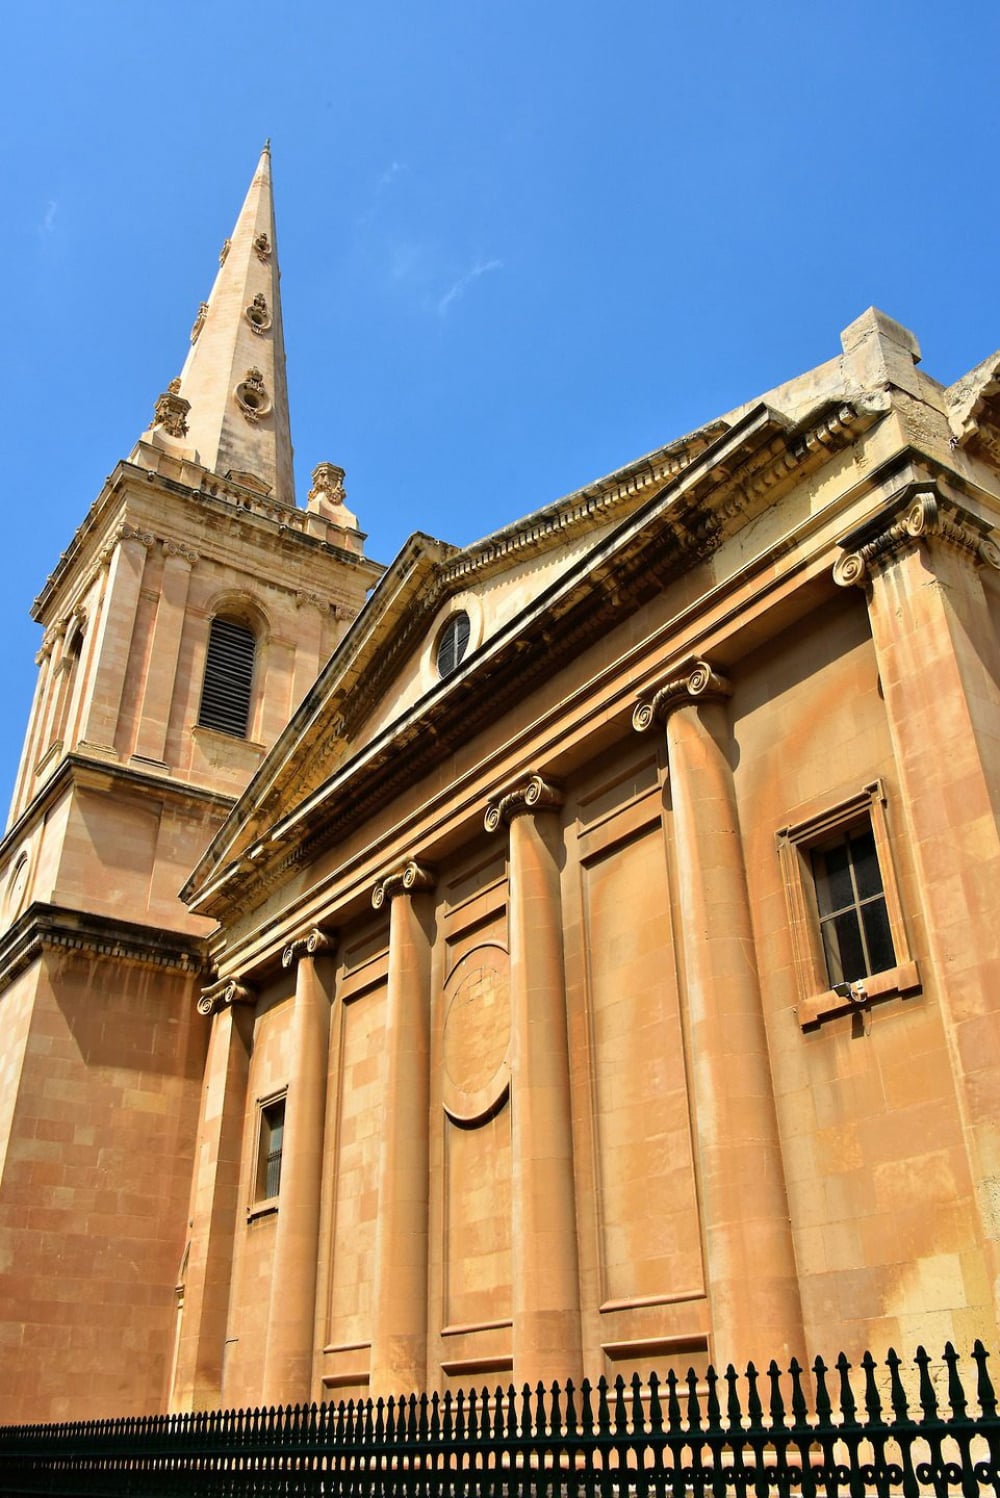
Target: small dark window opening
(853,919)
(225,695)
(453,642)
(272,1133)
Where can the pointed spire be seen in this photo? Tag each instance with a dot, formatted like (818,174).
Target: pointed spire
(230,404)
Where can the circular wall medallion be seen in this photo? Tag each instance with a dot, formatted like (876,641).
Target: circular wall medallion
(17,888)
(477,1034)
(251,397)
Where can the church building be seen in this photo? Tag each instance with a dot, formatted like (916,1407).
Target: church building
(569,954)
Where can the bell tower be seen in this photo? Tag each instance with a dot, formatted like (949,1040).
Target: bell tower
(187,618)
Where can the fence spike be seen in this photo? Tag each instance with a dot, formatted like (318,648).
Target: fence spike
(900,1403)
(777,1403)
(673,1402)
(526,1423)
(848,1404)
(824,1405)
(587,1413)
(621,1413)
(694,1408)
(985,1392)
(956,1391)
(541,1421)
(755,1410)
(800,1405)
(571,1422)
(873,1401)
(603,1413)
(447,1426)
(928,1399)
(638,1415)
(460,1415)
(555,1411)
(511,1412)
(734,1410)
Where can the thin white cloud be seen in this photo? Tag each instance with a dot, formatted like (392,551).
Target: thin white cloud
(460,287)
(49,217)
(390,174)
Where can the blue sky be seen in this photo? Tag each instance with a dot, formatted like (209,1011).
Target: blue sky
(521,244)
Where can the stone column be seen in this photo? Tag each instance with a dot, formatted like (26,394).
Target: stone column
(214,1197)
(158,691)
(939,666)
(546,1288)
(288,1360)
(399,1318)
(109,662)
(752,1281)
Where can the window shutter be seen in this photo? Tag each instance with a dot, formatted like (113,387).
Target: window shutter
(225,696)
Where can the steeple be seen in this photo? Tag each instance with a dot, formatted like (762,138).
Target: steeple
(229,407)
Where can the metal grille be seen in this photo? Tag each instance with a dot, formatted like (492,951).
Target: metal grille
(225,695)
(453,643)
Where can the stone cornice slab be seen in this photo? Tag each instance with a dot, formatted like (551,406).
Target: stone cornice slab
(44,927)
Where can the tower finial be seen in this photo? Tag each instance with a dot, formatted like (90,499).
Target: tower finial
(233,382)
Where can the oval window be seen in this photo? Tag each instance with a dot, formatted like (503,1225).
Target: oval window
(453,642)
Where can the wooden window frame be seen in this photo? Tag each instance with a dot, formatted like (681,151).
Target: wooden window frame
(261,1204)
(817,1000)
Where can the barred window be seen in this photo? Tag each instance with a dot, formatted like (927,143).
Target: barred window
(270,1144)
(453,642)
(225,694)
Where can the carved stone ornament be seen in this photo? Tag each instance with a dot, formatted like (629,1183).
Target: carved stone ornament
(925,515)
(251,397)
(328,483)
(126,532)
(535,795)
(221,994)
(227,245)
(199,321)
(171,411)
(258,314)
(314,944)
(262,248)
(409,880)
(175,549)
(698,683)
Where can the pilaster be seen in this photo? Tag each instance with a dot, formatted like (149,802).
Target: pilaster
(107,665)
(160,679)
(214,1198)
(939,667)
(753,1288)
(545,1268)
(399,1297)
(288,1359)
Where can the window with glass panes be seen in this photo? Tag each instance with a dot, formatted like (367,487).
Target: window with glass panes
(853,919)
(272,1132)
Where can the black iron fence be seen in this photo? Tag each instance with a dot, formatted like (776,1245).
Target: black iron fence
(888,1429)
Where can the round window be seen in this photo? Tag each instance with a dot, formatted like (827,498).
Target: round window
(453,642)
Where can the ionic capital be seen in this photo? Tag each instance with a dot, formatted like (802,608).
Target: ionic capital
(223,993)
(183,553)
(923,516)
(697,684)
(534,795)
(411,879)
(126,532)
(316,942)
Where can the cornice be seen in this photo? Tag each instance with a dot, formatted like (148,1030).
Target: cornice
(96,774)
(46,927)
(206,492)
(673,531)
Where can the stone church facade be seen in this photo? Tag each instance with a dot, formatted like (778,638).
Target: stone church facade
(572,953)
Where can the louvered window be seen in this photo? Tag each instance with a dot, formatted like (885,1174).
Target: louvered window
(225,696)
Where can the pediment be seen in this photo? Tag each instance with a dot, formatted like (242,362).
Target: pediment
(973,406)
